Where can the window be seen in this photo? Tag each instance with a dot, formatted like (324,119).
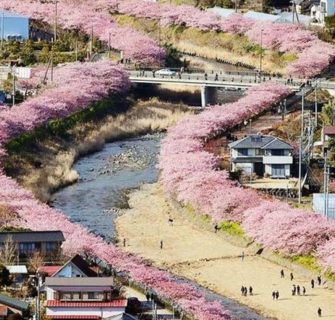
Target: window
(277,152)
(278,170)
(27,248)
(66,296)
(50,246)
(259,152)
(243,152)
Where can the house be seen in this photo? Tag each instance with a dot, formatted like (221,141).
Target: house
(13,26)
(18,274)
(262,155)
(75,267)
(10,306)
(328,132)
(326,8)
(82,298)
(47,243)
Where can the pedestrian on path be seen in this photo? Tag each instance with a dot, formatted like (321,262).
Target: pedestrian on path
(245,291)
(312,283)
(242,256)
(282,275)
(291,275)
(124,242)
(319,312)
(250,290)
(273,295)
(294,290)
(216,228)
(298,290)
(161,244)
(242,290)
(277,295)
(303,290)
(319,280)
(170,222)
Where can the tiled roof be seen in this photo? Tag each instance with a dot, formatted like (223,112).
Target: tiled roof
(258,141)
(87,304)
(33,236)
(49,270)
(86,317)
(14,303)
(329,130)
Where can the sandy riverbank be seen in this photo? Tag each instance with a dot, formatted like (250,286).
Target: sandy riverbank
(208,259)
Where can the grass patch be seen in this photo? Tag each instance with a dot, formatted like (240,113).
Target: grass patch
(309,262)
(232,228)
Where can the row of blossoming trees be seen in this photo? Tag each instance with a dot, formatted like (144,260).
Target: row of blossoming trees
(313,55)
(88,16)
(191,175)
(75,87)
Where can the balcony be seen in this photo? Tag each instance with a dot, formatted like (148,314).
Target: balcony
(277,159)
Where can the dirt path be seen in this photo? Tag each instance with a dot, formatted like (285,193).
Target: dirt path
(211,261)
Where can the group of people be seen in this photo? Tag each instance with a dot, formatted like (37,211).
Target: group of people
(297,290)
(244,291)
(275,295)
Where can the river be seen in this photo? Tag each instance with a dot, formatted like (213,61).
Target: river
(105,178)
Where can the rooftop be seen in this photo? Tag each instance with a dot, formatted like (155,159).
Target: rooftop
(222,12)
(260,142)
(117,303)
(14,303)
(329,130)
(33,236)
(20,269)
(11,14)
(81,264)
(79,282)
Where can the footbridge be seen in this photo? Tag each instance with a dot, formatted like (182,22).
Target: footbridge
(210,82)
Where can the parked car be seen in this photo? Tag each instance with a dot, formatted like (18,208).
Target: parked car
(165,72)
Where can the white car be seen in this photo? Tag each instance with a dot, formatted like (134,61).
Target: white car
(165,72)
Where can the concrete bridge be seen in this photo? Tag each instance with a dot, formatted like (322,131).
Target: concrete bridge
(210,82)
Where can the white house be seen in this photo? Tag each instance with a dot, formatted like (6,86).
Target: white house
(326,8)
(262,155)
(82,298)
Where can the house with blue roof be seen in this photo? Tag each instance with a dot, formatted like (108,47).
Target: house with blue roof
(13,26)
(262,155)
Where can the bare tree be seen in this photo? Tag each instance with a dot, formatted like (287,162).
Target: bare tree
(8,252)
(35,261)
(7,216)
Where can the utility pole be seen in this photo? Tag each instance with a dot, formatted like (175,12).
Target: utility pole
(109,45)
(14,85)
(316,105)
(300,145)
(91,44)
(261,57)
(2,27)
(76,49)
(236,6)
(56,18)
(325,185)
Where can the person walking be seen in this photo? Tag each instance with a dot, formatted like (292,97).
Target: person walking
(250,290)
(291,275)
(277,295)
(298,290)
(161,244)
(303,290)
(216,228)
(282,275)
(242,255)
(312,283)
(124,242)
(245,291)
(273,295)
(242,290)
(294,290)
(319,312)
(319,280)
(170,222)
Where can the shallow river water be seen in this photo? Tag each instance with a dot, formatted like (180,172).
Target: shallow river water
(105,178)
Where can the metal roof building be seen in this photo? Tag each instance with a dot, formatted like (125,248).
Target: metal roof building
(13,26)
